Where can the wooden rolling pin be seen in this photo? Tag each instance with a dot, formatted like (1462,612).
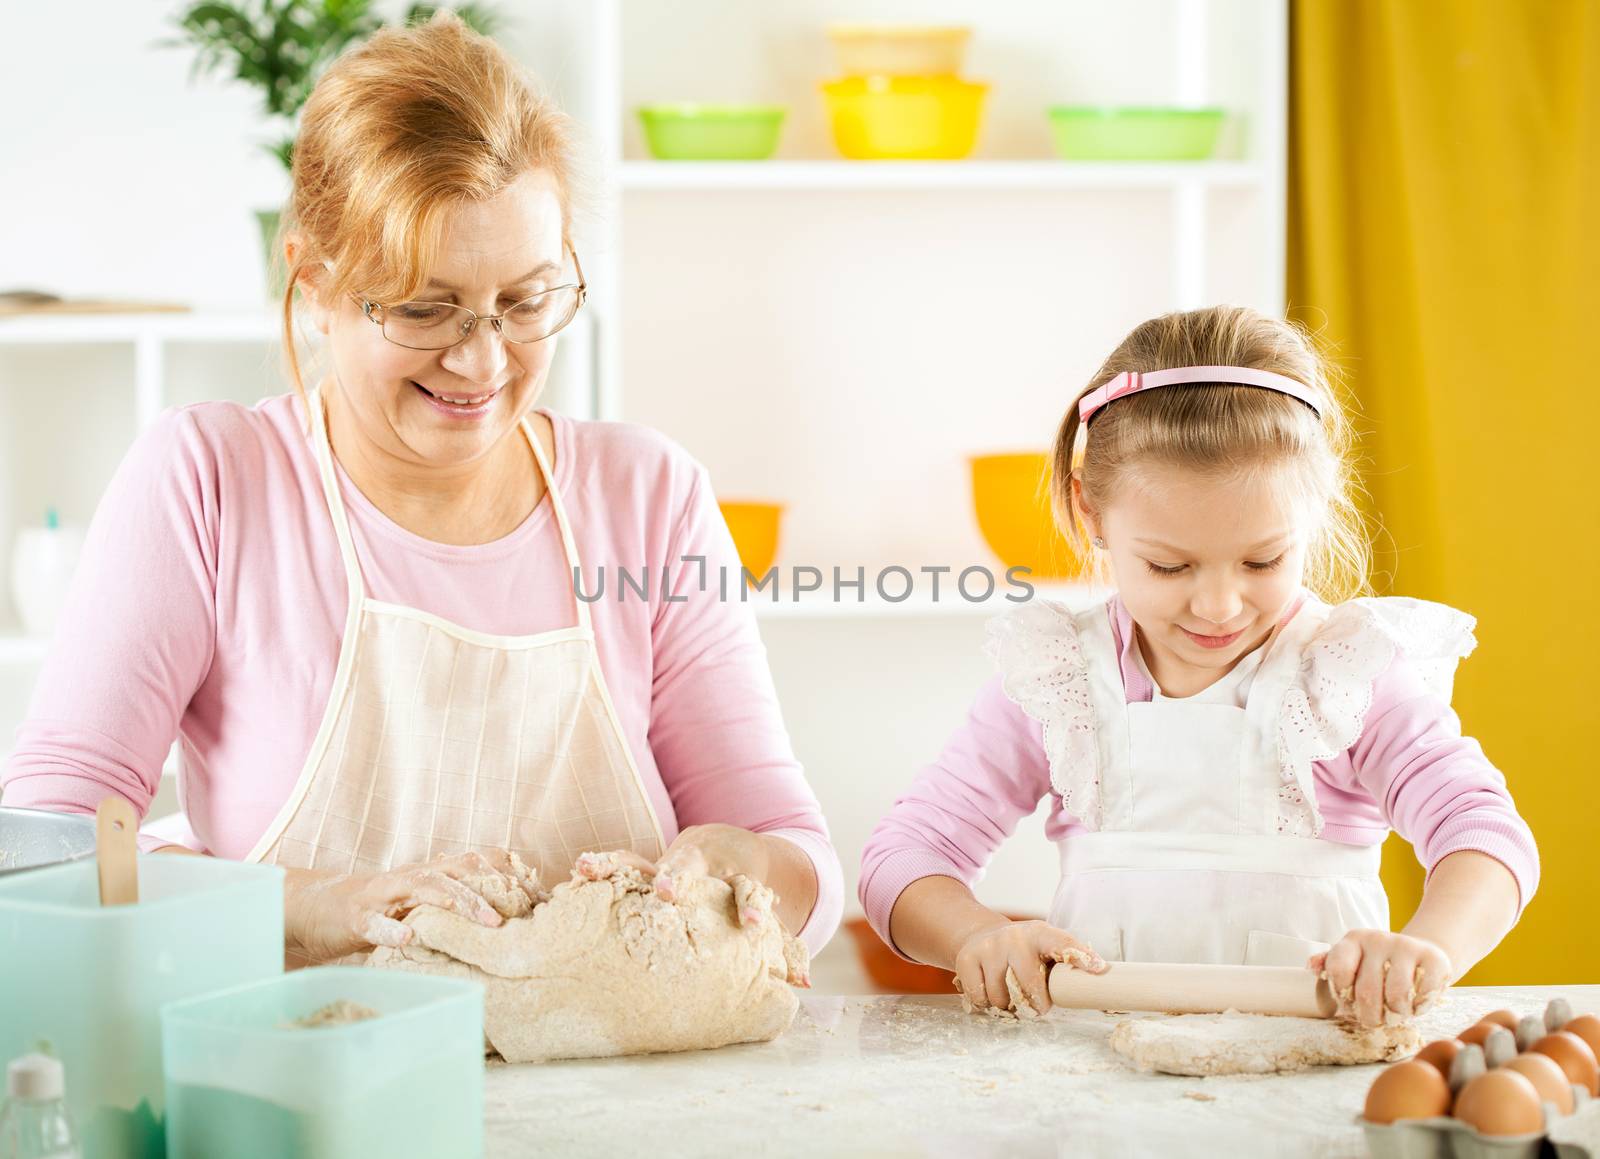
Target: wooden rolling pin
(1191,989)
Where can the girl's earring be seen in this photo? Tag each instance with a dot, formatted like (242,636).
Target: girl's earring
(1098,542)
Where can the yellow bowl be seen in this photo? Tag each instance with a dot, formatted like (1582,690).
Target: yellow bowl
(754,527)
(904,118)
(1011,497)
(899,49)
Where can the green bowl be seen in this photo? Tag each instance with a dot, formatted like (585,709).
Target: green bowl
(712,132)
(1093,133)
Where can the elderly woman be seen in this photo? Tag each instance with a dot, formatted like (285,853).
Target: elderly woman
(356,606)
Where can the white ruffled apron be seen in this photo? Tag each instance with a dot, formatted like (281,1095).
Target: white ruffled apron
(438,739)
(1202,816)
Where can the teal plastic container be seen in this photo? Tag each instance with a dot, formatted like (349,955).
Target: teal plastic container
(1092,133)
(91,981)
(689,132)
(243,1084)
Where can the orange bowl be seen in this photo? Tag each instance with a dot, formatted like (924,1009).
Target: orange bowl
(754,527)
(891,973)
(1011,498)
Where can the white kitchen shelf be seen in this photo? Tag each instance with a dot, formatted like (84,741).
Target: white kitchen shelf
(1019,176)
(72,329)
(152,336)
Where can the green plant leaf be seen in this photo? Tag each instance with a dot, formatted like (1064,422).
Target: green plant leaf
(284,151)
(481,18)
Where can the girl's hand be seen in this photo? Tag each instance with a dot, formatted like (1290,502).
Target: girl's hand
(327,916)
(1028,950)
(1374,972)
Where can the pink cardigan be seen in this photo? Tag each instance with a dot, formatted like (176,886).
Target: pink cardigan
(210,602)
(1410,770)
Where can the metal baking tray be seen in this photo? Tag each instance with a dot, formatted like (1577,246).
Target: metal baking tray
(30,838)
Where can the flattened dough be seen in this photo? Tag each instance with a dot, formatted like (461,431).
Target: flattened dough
(605,967)
(1233,1043)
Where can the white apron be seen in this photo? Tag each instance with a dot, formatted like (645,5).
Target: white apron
(437,739)
(1188,860)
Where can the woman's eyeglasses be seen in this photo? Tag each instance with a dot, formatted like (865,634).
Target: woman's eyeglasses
(441,325)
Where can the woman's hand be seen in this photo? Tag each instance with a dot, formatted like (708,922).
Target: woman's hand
(327,916)
(714,851)
(723,851)
(726,852)
(1372,972)
(1028,950)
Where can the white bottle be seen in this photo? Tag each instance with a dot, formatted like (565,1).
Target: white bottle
(35,1123)
(41,567)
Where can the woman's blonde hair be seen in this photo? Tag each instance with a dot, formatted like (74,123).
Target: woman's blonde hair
(1221,431)
(397,132)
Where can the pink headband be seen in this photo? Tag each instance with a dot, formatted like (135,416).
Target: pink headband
(1133,381)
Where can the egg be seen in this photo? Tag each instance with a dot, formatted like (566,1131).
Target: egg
(1586,1027)
(1407,1090)
(1547,1078)
(1572,1055)
(1501,1018)
(1440,1054)
(1501,1102)
(1478,1033)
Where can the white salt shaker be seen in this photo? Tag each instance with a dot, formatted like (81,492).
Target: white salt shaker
(35,1123)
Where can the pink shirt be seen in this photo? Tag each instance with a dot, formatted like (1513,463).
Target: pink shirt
(210,603)
(1410,770)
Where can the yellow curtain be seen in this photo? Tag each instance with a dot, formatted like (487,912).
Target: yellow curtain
(1444,236)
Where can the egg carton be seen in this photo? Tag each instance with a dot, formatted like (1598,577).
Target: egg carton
(1574,1136)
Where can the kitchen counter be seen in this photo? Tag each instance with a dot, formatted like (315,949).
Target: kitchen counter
(916,1076)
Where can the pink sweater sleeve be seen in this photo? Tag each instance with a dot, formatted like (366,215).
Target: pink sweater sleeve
(715,726)
(135,635)
(991,774)
(1434,786)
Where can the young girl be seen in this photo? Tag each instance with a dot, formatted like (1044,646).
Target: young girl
(1224,751)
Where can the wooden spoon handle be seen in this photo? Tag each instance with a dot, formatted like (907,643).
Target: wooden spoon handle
(116,835)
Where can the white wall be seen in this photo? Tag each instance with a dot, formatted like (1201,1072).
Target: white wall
(868,342)
(124,177)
